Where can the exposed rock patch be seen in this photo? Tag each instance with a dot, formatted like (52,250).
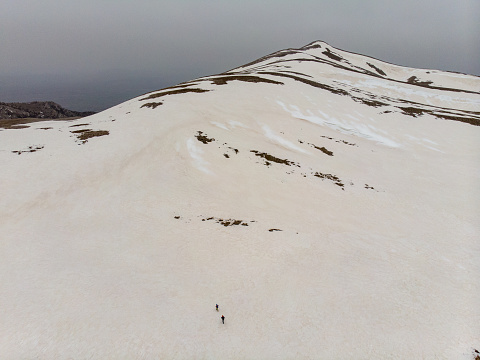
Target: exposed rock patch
(322,149)
(203,138)
(380,71)
(30,149)
(174,92)
(152,105)
(270,158)
(38,110)
(332,55)
(330,177)
(246,78)
(227,222)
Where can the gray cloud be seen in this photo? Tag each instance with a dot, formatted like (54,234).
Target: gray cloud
(176,40)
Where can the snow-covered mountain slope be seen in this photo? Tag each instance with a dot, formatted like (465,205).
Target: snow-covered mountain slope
(327,201)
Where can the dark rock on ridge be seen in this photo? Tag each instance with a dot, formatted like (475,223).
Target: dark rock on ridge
(38,110)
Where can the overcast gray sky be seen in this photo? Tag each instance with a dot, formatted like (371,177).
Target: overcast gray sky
(142,45)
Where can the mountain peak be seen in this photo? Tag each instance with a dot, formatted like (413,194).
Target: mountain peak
(326,201)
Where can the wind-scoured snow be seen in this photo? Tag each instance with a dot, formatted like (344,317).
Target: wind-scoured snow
(327,201)
(352,126)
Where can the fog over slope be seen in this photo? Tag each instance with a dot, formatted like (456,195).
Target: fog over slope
(327,201)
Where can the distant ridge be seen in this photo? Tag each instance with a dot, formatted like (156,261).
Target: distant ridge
(38,110)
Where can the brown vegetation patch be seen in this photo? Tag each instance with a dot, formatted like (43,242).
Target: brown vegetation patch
(428,84)
(380,71)
(369,102)
(332,55)
(227,222)
(339,141)
(330,177)
(308,82)
(270,158)
(296,73)
(174,92)
(29,150)
(84,135)
(79,125)
(333,90)
(202,138)
(416,81)
(312,45)
(20,122)
(471,121)
(323,149)
(412,111)
(247,78)
(469,117)
(152,105)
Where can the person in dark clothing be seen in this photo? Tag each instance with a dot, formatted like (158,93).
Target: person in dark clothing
(216,306)
(223,319)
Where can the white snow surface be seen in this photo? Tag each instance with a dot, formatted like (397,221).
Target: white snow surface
(353,232)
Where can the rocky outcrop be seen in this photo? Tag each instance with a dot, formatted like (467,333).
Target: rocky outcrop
(38,110)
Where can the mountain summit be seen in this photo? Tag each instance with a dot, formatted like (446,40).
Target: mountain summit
(327,201)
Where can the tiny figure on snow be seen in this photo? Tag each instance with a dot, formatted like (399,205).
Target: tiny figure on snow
(223,319)
(216,306)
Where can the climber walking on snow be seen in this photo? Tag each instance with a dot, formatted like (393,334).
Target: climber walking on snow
(223,319)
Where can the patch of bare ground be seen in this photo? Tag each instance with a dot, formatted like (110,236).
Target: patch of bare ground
(77,125)
(152,105)
(332,55)
(203,138)
(469,117)
(476,354)
(416,81)
(227,222)
(30,149)
(471,121)
(308,82)
(369,102)
(272,230)
(84,135)
(312,45)
(222,80)
(322,149)
(277,54)
(339,141)
(380,71)
(174,92)
(295,72)
(330,177)
(270,158)
(20,123)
